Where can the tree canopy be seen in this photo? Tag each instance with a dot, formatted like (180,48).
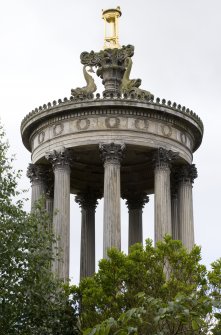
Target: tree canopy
(32,300)
(153,290)
(162,290)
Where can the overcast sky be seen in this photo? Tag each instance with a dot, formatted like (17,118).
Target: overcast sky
(177,56)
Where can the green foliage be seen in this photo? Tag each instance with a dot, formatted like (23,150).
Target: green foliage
(161,290)
(32,301)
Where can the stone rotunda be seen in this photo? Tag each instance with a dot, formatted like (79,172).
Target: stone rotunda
(122,144)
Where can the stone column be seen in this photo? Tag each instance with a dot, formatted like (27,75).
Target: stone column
(187,174)
(88,203)
(162,201)
(49,199)
(112,155)
(135,203)
(61,161)
(174,208)
(37,175)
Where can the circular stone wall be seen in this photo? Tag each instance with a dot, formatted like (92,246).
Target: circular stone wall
(142,126)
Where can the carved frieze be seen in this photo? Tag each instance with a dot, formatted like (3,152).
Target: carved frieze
(166,130)
(83,124)
(112,122)
(141,124)
(183,138)
(58,129)
(41,137)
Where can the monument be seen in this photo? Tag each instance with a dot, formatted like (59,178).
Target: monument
(122,144)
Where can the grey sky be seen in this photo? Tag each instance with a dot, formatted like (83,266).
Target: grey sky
(177,56)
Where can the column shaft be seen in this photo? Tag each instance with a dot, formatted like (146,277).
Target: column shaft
(186,214)
(162,203)
(49,205)
(135,233)
(186,175)
(37,191)
(87,261)
(61,161)
(175,217)
(135,202)
(112,215)
(112,155)
(61,219)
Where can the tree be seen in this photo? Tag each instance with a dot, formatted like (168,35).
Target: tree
(32,300)
(154,290)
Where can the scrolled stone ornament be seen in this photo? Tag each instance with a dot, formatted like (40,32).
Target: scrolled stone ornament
(87,90)
(36,172)
(62,158)
(112,152)
(107,56)
(164,158)
(88,199)
(136,200)
(187,173)
(128,85)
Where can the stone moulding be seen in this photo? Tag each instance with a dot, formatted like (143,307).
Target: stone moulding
(68,109)
(126,98)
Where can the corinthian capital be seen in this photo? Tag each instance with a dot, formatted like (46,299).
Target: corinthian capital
(112,152)
(36,172)
(136,200)
(187,173)
(61,158)
(88,199)
(163,158)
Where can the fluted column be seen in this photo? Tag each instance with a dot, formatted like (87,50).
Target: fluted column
(187,174)
(88,203)
(49,199)
(61,221)
(135,203)
(162,201)
(37,175)
(112,155)
(174,208)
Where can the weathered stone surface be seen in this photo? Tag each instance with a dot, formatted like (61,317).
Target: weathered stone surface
(110,63)
(88,203)
(186,176)
(135,202)
(162,201)
(145,125)
(111,155)
(61,161)
(37,174)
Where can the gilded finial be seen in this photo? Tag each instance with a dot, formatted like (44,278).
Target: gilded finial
(111,32)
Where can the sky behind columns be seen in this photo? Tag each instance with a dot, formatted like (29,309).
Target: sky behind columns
(177,56)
